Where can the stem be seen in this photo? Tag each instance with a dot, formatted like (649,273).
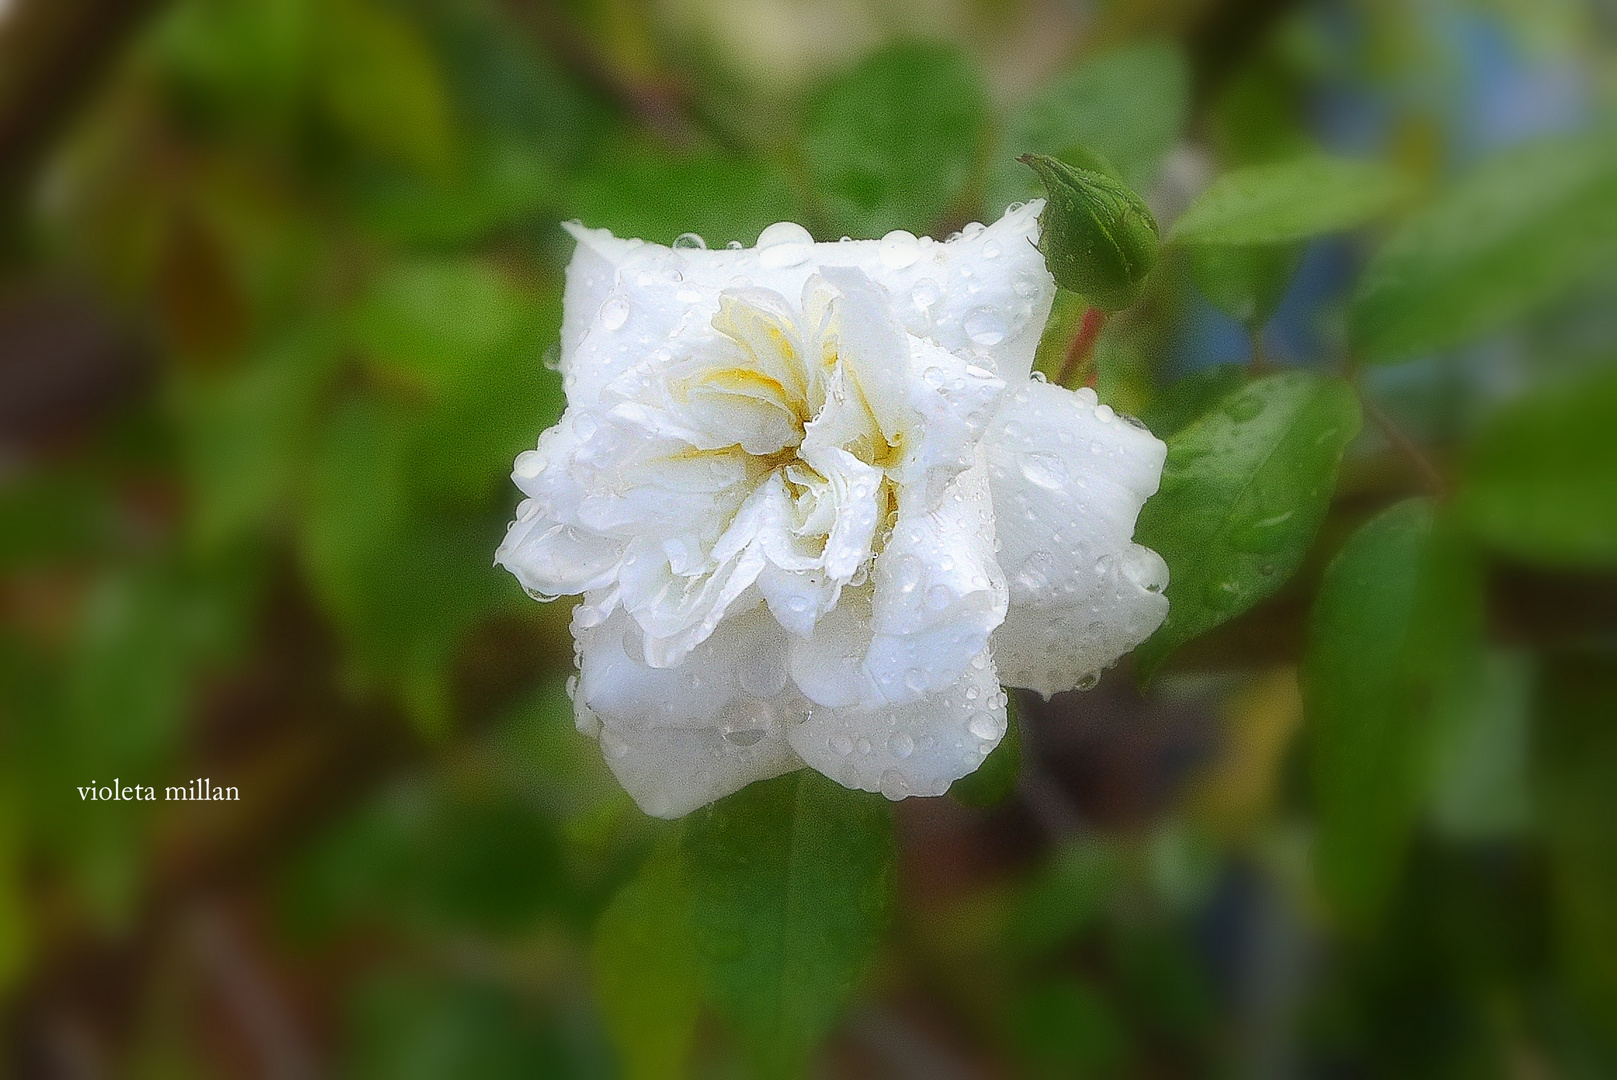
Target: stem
(1082,347)
(1406,446)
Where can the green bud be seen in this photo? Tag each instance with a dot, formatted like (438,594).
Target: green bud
(1098,238)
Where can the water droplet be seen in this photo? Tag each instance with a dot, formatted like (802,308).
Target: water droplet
(991,249)
(1047,471)
(972,229)
(925,292)
(1025,285)
(863,746)
(985,326)
(840,744)
(1222,594)
(1261,535)
(529,464)
(615,312)
(552,358)
(900,745)
(734,245)
(1034,575)
(1145,569)
(572,687)
(914,681)
(690,241)
(985,725)
(893,785)
(763,674)
(784,243)
(1088,681)
(899,249)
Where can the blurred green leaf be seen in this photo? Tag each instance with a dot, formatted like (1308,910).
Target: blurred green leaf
(791,882)
(1520,231)
(408,1026)
(15,932)
(1246,282)
(1541,482)
(1244,490)
(646,977)
(395,580)
(467,343)
(1399,607)
(1290,200)
(995,778)
(1066,1028)
(382,86)
(891,143)
(429,859)
(1479,787)
(1574,748)
(1128,105)
(1067,895)
(643,193)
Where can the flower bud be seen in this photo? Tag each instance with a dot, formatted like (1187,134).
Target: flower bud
(1098,238)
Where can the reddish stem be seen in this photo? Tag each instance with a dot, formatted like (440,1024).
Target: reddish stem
(1082,347)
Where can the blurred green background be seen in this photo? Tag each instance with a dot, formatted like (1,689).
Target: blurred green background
(278,281)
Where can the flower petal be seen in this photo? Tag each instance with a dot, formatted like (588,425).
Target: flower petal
(678,738)
(918,748)
(1069,477)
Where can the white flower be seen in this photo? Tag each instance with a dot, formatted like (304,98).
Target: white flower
(818,510)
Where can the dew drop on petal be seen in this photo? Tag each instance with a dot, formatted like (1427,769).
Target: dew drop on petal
(529,464)
(926,292)
(991,249)
(612,744)
(840,745)
(899,249)
(690,241)
(900,745)
(614,312)
(985,326)
(893,784)
(984,725)
(784,243)
(1043,470)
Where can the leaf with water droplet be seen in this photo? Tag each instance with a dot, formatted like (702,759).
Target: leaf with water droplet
(799,869)
(1098,237)
(1243,493)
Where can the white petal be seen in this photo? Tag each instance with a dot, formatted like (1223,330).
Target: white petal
(678,738)
(918,748)
(939,590)
(552,559)
(985,293)
(1068,479)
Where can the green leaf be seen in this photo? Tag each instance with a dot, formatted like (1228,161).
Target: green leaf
(1127,105)
(646,979)
(1065,1028)
(1399,607)
(1098,238)
(1291,200)
(791,883)
(1243,492)
(1245,281)
(891,143)
(1519,232)
(1574,745)
(995,778)
(1541,482)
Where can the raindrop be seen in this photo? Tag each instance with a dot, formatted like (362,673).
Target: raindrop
(900,745)
(690,241)
(784,243)
(899,249)
(552,357)
(840,745)
(1047,471)
(863,746)
(734,245)
(985,326)
(991,249)
(985,725)
(529,464)
(615,312)
(938,597)
(1088,681)
(914,681)
(893,784)
(1034,575)
(925,292)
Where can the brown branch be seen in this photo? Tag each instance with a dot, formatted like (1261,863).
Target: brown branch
(1407,447)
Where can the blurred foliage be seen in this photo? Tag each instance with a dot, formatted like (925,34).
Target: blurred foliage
(277,296)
